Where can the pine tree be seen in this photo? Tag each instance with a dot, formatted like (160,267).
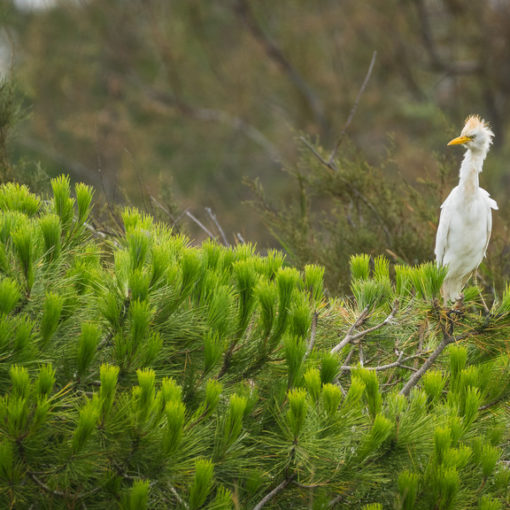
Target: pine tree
(145,372)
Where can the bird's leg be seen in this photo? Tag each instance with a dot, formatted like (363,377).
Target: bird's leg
(459,303)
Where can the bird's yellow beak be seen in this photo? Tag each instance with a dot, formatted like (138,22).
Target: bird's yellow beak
(459,140)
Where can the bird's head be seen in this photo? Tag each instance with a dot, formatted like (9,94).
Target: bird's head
(476,136)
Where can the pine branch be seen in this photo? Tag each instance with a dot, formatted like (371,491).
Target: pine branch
(350,337)
(399,363)
(270,495)
(43,486)
(177,497)
(413,380)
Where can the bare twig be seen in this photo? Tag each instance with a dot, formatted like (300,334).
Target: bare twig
(270,495)
(313,332)
(399,363)
(331,165)
(351,337)
(336,500)
(354,106)
(200,224)
(177,497)
(43,486)
(208,210)
(494,402)
(277,56)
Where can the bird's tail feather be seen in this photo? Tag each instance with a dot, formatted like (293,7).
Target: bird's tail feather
(452,288)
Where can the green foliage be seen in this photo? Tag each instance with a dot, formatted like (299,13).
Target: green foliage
(51,230)
(52,311)
(408,489)
(157,374)
(16,197)
(87,345)
(202,483)
(9,295)
(138,496)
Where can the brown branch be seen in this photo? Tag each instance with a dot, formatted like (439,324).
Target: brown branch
(492,403)
(276,55)
(270,495)
(413,380)
(350,337)
(354,106)
(436,61)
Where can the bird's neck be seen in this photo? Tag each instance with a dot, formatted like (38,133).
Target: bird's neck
(472,165)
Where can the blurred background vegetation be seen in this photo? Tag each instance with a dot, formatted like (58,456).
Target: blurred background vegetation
(236,105)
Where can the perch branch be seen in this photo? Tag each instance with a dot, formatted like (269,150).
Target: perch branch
(413,380)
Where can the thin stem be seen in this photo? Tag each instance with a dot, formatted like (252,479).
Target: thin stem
(177,497)
(313,332)
(200,224)
(208,210)
(350,337)
(270,495)
(45,487)
(399,363)
(354,106)
(413,380)
(331,165)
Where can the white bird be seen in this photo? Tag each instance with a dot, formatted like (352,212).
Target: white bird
(465,222)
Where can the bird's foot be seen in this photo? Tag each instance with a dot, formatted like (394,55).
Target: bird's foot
(459,303)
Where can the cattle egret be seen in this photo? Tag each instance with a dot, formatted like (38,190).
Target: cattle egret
(465,222)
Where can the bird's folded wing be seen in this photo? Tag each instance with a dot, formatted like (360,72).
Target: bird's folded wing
(492,203)
(489,229)
(442,234)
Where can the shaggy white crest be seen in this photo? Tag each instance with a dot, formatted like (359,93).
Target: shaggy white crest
(465,223)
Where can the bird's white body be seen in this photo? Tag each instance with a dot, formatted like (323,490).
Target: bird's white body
(465,223)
